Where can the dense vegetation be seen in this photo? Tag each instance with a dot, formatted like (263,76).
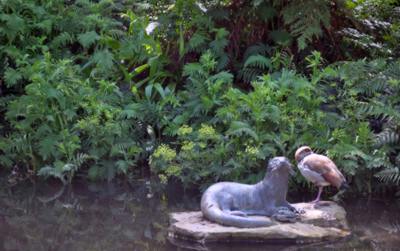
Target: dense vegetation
(199,91)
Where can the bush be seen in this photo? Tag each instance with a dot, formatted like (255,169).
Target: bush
(200,91)
(64,121)
(334,111)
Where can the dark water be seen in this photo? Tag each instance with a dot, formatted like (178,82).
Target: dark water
(133,217)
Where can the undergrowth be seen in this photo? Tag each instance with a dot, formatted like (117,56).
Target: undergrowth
(199,91)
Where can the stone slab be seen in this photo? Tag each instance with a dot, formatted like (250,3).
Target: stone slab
(325,221)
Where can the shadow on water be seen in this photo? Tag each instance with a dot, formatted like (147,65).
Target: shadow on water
(113,216)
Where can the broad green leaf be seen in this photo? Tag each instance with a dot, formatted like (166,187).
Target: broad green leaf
(148,91)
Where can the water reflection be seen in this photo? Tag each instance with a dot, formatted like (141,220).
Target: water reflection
(95,217)
(134,216)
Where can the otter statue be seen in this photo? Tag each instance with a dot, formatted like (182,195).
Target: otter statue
(229,203)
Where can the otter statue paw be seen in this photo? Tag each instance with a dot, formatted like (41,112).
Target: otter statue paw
(285,214)
(286,209)
(301,211)
(297,211)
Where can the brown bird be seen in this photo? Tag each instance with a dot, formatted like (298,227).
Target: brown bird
(319,170)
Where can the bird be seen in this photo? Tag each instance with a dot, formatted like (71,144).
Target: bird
(320,170)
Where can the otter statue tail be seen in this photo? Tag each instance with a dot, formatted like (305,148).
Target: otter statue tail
(212,212)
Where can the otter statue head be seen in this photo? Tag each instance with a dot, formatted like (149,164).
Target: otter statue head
(279,165)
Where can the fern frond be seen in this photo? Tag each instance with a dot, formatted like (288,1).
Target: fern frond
(258,61)
(121,148)
(222,62)
(12,76)
(80,158)
(197,42)
(88,38)
(249,74)
(378,109)
(193,69)
(103,59)
(239,128)
(224,77)
(387,136)
(393,70)
(305,18)
(391,175)
(48,171)
(218,46)
(257,49)
(116,33)
(62,40)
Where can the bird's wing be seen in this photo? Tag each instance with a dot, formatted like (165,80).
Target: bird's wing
(319,163)
(325,166)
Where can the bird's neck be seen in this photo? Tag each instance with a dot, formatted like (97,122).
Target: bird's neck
(305,155)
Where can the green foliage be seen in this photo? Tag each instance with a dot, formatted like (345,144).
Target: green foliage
(65,121)
(204,89)
(306,18)
(254,66)
(283,111)
(198,91)
(389,176)
(369,103)
(378,30)
(87,32)
(68,108)
(247,127)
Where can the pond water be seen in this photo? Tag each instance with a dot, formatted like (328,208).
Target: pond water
(130,216)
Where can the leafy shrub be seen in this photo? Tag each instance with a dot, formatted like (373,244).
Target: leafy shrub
(232,132)
(73,112)
(369,102)
(378,29)
(208,89)
(333,110)
(64,121)
(88,32)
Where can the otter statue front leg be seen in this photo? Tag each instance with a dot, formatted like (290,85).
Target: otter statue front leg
(293,209)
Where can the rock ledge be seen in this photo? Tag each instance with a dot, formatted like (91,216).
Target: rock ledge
(325,221)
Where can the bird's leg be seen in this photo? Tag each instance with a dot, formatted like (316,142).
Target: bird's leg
(319,195)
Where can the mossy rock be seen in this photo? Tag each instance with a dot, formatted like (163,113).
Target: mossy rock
(325,221)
